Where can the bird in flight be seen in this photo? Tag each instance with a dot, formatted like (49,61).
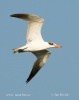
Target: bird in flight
(35,42)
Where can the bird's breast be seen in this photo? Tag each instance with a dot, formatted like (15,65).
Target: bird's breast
(36,46)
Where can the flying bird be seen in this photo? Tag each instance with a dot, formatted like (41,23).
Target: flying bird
(35,42)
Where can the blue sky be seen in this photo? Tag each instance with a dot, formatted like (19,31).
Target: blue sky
(60,75)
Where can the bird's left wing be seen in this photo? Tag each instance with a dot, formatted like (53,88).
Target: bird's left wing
(42,57)
(34,26)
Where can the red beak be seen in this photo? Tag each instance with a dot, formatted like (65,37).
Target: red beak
(57,46)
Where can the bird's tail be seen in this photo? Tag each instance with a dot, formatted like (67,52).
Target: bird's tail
(16,50)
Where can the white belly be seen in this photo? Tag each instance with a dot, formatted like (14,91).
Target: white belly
(36,46)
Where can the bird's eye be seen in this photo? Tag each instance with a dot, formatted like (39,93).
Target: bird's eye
(50,43)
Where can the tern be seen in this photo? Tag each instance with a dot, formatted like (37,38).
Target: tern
(35,42)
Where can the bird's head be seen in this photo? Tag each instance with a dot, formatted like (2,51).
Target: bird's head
(53,45)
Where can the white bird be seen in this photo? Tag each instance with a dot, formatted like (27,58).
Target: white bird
(35,42)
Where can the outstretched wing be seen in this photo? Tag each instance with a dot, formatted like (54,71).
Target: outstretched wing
(34,26)
(42,57)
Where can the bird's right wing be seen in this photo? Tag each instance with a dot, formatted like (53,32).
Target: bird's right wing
(34,26)
(42,57)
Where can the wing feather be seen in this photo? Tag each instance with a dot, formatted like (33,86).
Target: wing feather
(42,57)
(34,26)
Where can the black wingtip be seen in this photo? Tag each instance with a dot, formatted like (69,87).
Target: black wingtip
(27,82)
(13,15)
(22,16)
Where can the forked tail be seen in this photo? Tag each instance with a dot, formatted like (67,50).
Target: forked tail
(16,50)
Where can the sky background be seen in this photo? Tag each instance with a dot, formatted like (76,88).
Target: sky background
(60,75)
